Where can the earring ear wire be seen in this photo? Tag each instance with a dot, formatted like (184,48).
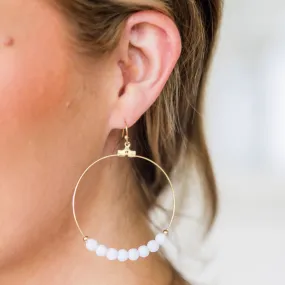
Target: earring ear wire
(125,131)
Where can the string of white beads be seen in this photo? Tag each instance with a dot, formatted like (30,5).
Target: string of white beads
(123,255)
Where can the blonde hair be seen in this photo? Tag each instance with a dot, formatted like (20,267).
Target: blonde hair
(173,127)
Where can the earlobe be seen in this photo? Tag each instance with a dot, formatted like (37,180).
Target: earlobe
(153,46)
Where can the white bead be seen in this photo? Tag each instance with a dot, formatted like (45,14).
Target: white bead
(101,250)
(91,244)
(123,255)
(143,251)
(153,246)
(134,254)
(160,238)
(112,254)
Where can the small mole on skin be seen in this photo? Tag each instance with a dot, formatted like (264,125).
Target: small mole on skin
(8,41)
(67,104)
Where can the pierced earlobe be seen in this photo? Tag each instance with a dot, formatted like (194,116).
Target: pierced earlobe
(8,41)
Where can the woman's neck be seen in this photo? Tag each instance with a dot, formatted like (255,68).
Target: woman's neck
(107,212)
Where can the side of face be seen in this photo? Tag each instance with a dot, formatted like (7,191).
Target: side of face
(45,121)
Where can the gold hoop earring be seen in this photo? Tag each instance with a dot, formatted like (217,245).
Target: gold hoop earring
(122,254)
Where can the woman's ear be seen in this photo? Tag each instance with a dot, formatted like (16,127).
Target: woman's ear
(148,51)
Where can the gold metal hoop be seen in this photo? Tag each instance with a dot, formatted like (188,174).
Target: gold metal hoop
(126,152)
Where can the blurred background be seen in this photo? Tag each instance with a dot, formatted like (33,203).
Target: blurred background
(245,125)
(245,121)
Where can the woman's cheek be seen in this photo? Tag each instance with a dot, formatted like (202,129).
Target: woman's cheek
(32,82)
(34,69)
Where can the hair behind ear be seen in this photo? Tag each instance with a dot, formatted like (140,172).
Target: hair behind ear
(172,130)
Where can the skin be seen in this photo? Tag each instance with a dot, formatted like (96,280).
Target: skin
(57,115)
